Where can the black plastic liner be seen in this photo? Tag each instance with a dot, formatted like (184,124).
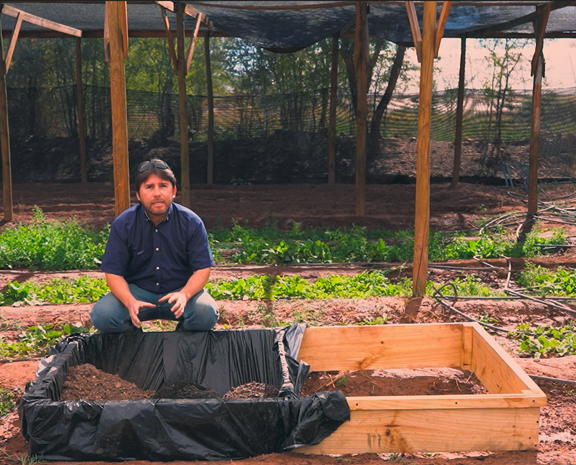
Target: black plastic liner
(168,429)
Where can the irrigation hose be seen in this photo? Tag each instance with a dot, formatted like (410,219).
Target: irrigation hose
(556,380)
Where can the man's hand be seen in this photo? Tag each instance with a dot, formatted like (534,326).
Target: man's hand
(179,300)
(134,308)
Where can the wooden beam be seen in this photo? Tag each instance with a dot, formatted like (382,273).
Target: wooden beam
(415,28)
(361,105)
(169,39)
(5,140)
(441,25)
(193,42)
(332,114)
(210,93)
(80,113)
(459,116)
(189,11)
(540,23)
(183,108)
(13,42)
(32,19)
(106,36)
(422,221)
(119,109)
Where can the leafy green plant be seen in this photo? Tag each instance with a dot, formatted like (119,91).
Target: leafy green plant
(6,401)
(544,341)
(51,245)
(558,282)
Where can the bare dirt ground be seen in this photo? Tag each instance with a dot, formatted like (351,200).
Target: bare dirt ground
(387,207)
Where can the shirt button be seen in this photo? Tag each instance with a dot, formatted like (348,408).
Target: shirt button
(157,284)
(157,249)
(155,230)
(157,267)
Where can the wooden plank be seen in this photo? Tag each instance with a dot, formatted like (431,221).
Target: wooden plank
(422,220)
(332,113)
(334,348)
(466,347)
(464,401)
(32,19)
(106,36)
(80,113)
(124,27)
(441,25)
(361,104)
(169,39)
(189,11)
(183,109)
(13,41)
(119,109)
(210,92)
(415,28)
(193,42)
(495,369)
(459,116)
(5,140)
(392,431)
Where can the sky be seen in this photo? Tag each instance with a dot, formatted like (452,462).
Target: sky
(559,54)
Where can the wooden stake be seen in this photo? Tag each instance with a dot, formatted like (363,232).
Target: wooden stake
(80,113)
(183,113)
(361,105)
(422,223)
(119,111)
(193,42)
(5,138)
(169,39)
(459,115)
(441,25)
(13,41)
(210,93)
(332,116)
(415,28)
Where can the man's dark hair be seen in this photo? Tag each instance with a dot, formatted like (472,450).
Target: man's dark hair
(153,166)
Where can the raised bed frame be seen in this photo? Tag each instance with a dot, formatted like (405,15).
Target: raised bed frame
(505,419)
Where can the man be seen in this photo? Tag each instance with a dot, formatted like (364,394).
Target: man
(157,261)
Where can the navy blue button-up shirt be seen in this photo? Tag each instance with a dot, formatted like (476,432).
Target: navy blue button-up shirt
(161,258)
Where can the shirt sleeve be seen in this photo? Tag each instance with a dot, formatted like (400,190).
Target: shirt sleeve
(199,253)
(116,255)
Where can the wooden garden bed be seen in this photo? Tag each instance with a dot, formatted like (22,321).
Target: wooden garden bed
(505,419)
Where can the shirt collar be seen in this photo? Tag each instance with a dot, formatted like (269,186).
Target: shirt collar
(168,213)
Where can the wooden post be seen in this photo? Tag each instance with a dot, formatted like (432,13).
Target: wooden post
(459,115)
(332,116)
(210,93)
(361,59)
(117,30)
(183,113)
(422,223)
(80,113)
(535,141)
(5,138)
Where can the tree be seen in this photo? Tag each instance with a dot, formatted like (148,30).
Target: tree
(504,57)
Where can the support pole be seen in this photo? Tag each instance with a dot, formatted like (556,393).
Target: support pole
(535,142)
(210,93)
(332,115)
(80,113)
(5,138)
(116,30)
(183,113)
(361,59)
(459,115)
(422,223)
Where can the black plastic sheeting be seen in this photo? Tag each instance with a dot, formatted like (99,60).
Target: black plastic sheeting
(167,429)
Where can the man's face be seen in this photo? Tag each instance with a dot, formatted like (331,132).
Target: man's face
(156,195)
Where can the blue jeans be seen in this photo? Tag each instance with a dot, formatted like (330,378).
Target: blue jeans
(109,315)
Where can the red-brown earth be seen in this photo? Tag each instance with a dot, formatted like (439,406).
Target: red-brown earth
(387,207)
